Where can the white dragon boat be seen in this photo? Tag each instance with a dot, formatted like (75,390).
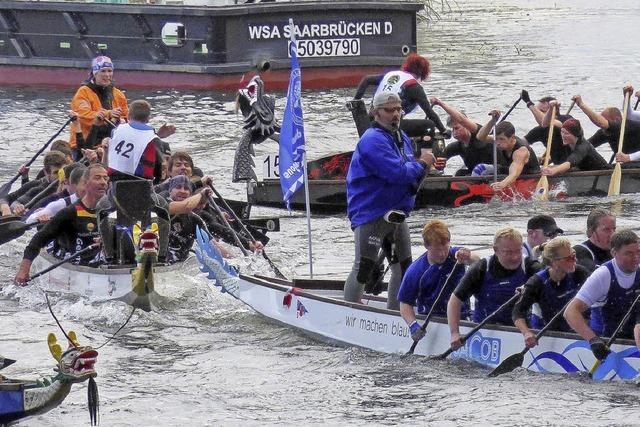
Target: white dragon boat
(140,285)
(317,307)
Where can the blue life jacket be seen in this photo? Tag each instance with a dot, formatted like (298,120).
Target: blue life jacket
(432,281)
(495,292)
(605,319)
(554,297)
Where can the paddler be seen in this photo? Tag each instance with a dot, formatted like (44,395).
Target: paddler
(135,151)
(596,250)
(427,275)
(515,157)
(609,292)
(406,84)
(550,288)
(492,281)
(73,228)
(98,96)
(581,154)
(540,229)
(381,185)
(466,145)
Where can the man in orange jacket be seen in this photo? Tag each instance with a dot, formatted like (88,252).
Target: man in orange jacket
(98,95)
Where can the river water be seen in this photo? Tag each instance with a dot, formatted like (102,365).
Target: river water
(206,359)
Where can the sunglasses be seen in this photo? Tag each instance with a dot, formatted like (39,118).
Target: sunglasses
(570,257)
(392,109)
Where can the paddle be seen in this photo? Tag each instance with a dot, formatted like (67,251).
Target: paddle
(4,362)
(573,103)
(510,110)
(276,270)
(435,303)
(4,190)
(478,327)
(13,229)
(215,206)
(616,333)
(635,107)
(614,184)
(542,189)
(67,259)
(9,218)
(515,360)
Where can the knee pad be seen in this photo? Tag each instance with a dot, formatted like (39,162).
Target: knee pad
(368,272)
(404,265)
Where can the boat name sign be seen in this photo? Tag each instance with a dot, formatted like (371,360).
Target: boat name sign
(377,326)
(340,38)
(338,29)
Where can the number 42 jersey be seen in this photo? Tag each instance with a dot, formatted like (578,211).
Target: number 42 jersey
(131,149)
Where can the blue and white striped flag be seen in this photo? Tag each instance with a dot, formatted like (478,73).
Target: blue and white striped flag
(292,147)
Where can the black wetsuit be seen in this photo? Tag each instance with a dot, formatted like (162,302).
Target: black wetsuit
(73,228)
(541,134)
(590,256)
(612,136)
(505,159)
(473,153)
(585,158)
(181,237)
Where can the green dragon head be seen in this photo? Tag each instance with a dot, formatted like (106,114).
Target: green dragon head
(76,364)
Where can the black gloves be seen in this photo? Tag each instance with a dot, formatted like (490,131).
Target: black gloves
(599,348)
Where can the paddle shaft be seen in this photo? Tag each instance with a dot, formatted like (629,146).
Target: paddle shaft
(479,326)
(616,176)
(547,155)
(615,334)
(627,100)
(435,303)
(246,231)
(40,151)
(215,206)
(635,107)
(67,259)
(573,103)
(510,110)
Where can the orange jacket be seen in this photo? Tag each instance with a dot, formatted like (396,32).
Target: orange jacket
(87,104)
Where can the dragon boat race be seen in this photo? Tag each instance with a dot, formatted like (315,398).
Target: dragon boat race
(171,286)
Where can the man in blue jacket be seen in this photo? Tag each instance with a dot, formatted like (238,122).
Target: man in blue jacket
(381,185)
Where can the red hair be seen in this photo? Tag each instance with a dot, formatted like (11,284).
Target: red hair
(417,65)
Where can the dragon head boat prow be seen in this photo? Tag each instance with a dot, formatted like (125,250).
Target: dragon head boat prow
(23,398)
(77,363)
(259,124)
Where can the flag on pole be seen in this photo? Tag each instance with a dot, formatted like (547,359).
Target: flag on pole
(291,164)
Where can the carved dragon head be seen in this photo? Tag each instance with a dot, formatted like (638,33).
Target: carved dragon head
(257,108)
(76,364)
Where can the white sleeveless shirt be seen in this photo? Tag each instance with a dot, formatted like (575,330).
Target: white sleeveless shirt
(127,146)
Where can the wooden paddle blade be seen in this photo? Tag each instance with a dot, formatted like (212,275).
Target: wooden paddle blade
(614,184)
(12,230)
(542,189)
(509,364)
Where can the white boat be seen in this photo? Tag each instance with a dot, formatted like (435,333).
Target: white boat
(138,286)
(317,307)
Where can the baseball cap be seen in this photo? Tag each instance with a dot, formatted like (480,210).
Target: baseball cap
(546,223)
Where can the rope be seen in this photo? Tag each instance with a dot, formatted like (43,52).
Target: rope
(46,296)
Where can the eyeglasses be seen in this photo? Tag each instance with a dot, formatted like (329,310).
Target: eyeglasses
(392,109)
(570,257)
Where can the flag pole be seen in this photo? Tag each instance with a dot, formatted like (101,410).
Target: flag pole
(308,207)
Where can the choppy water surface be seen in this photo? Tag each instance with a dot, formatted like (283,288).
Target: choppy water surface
(208,360)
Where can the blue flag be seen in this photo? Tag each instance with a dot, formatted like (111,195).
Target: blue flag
(292,147)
